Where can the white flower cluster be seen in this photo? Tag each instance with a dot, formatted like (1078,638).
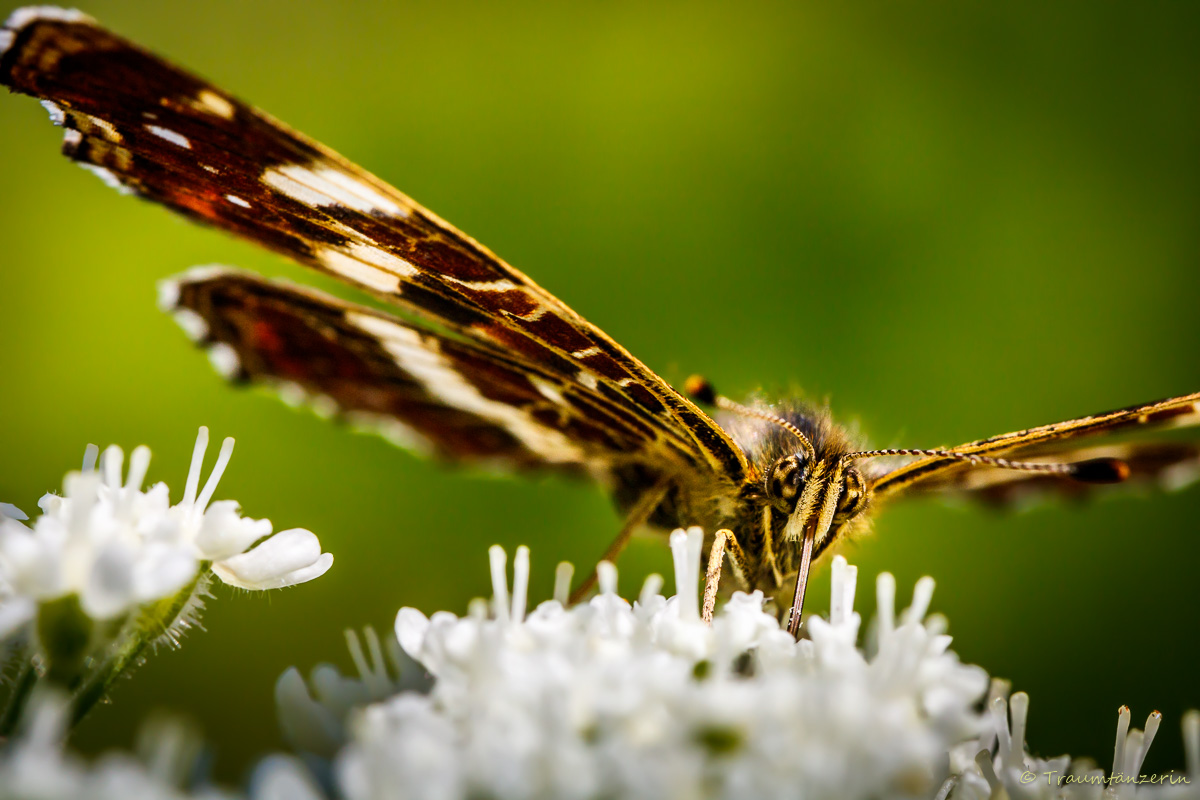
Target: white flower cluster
(610,699)
(618,700)
(36,767)
(313,720)
(116,547)
(997,764)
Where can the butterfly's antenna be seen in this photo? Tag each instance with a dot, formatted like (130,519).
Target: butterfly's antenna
(700,390)
(1095,470)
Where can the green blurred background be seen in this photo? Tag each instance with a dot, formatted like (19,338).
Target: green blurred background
(968,219)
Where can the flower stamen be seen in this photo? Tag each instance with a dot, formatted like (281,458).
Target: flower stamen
(562,581)
(498,560)
(193,478)
(210,486)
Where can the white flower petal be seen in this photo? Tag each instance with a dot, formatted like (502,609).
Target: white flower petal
(12,512)
(287,558)
(29,563)
(14,613)
(223,533)
(109,587)
(307,724)
(302,575)
(283,778)
(411,627)
(161,571)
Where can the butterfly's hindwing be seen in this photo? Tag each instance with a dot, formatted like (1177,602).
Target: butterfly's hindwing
(457,400)
(152,129)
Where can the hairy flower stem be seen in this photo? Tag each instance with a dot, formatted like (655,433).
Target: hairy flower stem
(22,688)
(153,621)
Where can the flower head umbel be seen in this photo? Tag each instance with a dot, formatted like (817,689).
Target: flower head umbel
(166,765)
(619,701)
(313,720)
(645,700)
(116,546)
(108,567)
(998,764)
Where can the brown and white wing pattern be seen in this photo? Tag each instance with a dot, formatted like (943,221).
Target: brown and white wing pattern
(149,128)
(1127,435)
(456,400)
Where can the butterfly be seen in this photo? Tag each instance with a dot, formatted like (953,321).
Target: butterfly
(488,368)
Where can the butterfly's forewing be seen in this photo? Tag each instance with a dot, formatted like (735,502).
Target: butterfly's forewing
(152,129)
(1125,435)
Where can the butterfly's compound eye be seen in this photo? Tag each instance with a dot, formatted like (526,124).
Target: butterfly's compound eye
(854,495)
(785,480)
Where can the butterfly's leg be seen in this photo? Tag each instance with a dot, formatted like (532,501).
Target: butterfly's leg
(637,517)
(716,558)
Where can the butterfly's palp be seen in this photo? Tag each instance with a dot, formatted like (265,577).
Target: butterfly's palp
(811,523)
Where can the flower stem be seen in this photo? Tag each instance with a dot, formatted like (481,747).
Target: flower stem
(152,622)
(22,688)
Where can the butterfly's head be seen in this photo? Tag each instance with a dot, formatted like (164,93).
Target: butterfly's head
(809,482)
(820,496)
(819,493)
